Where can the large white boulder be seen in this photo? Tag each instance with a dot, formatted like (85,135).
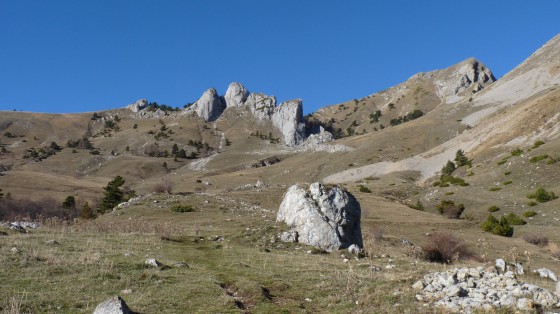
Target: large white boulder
(325,218)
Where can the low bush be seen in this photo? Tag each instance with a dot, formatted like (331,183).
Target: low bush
(542,196)
(538,158)
(417,206)
(450,210)
(515,220)
(537,144)
(516,152)
(364,189)
(494,189)
(493,209)
(498,227)
(536,239)
(507,182)
(445,248)
(182,208)
(507,173)
(529,213)
(453,180)
(531,203)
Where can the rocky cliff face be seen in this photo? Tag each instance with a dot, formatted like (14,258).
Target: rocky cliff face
(236,95)
(138,105)
(470,74)
(327,219)
(209,106)
(288,118)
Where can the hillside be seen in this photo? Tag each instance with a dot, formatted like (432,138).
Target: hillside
(231,158)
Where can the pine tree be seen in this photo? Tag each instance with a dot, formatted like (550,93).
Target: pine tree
(87,212)
(181,153)
(174,149)
(448,168)
(113,195)
(460,158)
(1,194)
(69,202)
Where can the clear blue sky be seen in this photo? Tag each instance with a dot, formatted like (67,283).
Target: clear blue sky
(90,55)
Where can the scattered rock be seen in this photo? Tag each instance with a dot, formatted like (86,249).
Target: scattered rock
(114,305)
(501,265)
(327,219)
(472,289)
(354,249)
(126,291)
(181,265)
(52,242)
(525,304)
(546,273)
(152,262)
(14,250)
(289,236)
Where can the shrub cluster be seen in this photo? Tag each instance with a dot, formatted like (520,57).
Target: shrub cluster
(445,248)
(542,196)
(182,208)
(450,210)
(536,239)
(498,227)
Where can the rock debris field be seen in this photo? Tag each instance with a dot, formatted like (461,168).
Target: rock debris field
(471,289)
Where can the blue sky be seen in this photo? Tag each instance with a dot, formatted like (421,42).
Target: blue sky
(90,55)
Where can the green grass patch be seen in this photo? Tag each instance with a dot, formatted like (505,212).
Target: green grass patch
(507,182)
(537,144)
(507,173)
(494,189)
(493,208)
(516,152)
(364,189)
(515,220)
(529,213)
(538,158)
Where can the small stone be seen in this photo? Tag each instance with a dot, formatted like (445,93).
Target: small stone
(547,273)
(345,260)
(455,291)
(525,304)
(308,299)
(519,269)
(52,242)
(289,236)
(126,291)
(14,250)
(354,249)
(153,263)
(114,305)
(181,265)
(501,265)
(419,285)
(390,266)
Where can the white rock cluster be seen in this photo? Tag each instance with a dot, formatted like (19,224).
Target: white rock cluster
(325,218)
(469,289)
(287,117)
(469,73)
(318,142)
(138,105)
